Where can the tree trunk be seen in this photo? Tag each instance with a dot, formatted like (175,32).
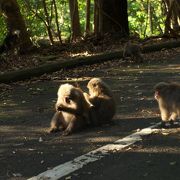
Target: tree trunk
(15,21)
(150,17)
(75,23)
(88,6)
(113,17)
(171,23)
(48,22)
(57,23)
(96,17)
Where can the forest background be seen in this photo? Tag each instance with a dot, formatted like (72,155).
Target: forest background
(67,20)
(51,30)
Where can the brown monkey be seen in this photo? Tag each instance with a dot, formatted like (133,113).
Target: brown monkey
(168,98)
(101,101)
(134,51)
(72,110)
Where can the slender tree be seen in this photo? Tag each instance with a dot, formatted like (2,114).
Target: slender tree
(75,23)
(88,6)
(48,22)
(57,23)
(150,17)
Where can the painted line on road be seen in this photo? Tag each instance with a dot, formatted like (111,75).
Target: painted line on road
(78,163)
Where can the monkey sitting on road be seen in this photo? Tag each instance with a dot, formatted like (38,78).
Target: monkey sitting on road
(168,98)
(101,101)
(134,51)
(72,110)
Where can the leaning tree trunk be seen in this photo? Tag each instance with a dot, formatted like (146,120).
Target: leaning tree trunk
(15,21)
(113,17)
(75,23)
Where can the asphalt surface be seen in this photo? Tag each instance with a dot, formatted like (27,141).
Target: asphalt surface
(26,149)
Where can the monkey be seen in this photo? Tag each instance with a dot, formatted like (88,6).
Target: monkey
(10,42)
(72,110)
(101,102)
(134,51)
(168,97)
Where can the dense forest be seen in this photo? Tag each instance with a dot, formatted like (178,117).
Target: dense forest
(68,21)
(36,32)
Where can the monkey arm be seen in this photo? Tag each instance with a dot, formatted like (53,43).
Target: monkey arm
(69,110)
(55,122)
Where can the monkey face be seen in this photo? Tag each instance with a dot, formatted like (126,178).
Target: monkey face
(156,95)
(68,96)
(63,102)
(159,89)
(95,86)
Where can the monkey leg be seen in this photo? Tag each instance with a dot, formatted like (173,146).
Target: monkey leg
(173,116)
(55,122)
(69,128)
(165,115)
(76,123)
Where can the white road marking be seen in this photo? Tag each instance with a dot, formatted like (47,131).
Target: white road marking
(78,163)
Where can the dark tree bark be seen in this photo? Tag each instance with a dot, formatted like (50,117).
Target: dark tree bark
(150,17)
(172,25)
(48,22)
(112,17)
(96,17)
(57,23)
(75,23)
(15,21)
(88,6)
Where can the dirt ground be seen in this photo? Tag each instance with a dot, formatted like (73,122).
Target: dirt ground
(26,149)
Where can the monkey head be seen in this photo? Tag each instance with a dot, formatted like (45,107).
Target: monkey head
(97,87)
(68,96)
(159,90)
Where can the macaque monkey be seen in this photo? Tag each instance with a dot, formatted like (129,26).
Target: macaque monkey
(10,42)
(72,110)
(101,102)
(134,51)
(168,98)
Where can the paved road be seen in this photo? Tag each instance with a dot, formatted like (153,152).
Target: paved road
(27,150)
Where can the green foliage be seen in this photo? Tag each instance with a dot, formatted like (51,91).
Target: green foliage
(3,29)
(139,20)
(34,15)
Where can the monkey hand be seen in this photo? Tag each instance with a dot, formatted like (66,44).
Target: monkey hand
(66,133)
(53,130)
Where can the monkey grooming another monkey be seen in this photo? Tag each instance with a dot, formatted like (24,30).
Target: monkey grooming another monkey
(101,100)
(72,110)
(168,98)
(134,51)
